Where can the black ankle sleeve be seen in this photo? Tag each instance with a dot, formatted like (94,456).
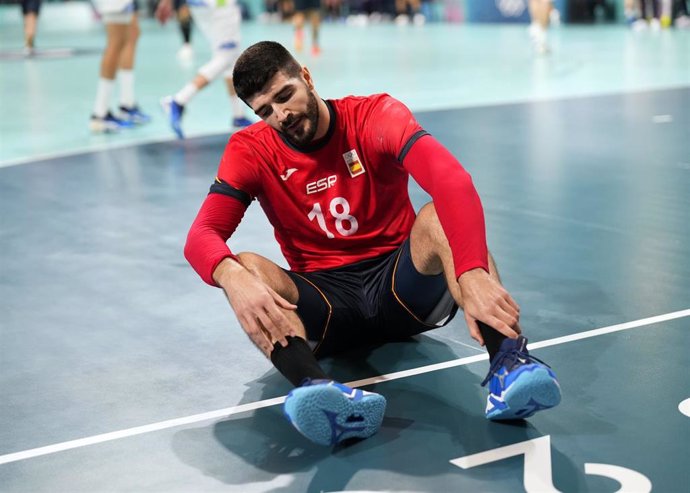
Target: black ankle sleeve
(296,361)
(492,339)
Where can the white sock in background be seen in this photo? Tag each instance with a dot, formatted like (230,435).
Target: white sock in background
(103,93)
(186,94)
(126,80)
(237,106)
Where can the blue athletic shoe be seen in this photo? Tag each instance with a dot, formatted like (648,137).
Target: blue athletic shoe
(173,110)
(134,115)
(107,124)
(519,384)
(328,412)
(241,122)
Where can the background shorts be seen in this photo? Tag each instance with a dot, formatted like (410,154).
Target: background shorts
(31,6)
(303,5)
(370,302)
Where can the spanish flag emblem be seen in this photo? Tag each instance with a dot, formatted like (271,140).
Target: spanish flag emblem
(354,164)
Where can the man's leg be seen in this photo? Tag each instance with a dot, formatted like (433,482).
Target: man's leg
(431,255)
(519,384)
(296,360)
(324,411)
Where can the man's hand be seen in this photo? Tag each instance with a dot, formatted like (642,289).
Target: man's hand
(164,11)
(484,299)
(257,306)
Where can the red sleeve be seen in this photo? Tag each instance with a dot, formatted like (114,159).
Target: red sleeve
(455,198)
(389,125)
(239,165)
(217,219)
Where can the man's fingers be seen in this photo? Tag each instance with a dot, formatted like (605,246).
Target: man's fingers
(274,327)
(258,336)
(280,301)
(513,303)
(288,328)
(507,315)
(502,327)
(474,329)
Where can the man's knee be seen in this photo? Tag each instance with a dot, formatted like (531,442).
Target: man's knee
(428,241)
(270,273)
(428,224)
(254,262)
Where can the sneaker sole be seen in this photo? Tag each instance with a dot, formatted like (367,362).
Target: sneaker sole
(324,415)
(102,128)
(532,391)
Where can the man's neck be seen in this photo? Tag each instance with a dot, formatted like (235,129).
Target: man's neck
(324,120)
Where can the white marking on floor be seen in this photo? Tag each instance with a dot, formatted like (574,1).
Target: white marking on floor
(684,407)
(662,118)
(252,406)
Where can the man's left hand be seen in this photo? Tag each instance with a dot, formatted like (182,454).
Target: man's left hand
(486,300)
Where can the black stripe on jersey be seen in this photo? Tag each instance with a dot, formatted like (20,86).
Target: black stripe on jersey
(219,186)
(410,143)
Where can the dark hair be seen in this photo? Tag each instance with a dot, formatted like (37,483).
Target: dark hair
(258,64)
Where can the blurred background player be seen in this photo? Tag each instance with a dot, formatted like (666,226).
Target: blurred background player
(406,9)
(304,8)
(539,12)
(122,30)
(30,10)
(184,19)
(219,21)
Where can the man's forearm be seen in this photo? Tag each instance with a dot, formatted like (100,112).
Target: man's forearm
(222,275)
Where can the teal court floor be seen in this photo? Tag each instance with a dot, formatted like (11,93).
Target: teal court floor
(121,371)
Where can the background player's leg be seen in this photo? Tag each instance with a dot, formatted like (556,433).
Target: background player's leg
(101,119)
(128,107)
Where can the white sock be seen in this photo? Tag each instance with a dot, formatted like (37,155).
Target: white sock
(186,94)
(237,106)
(126,79)
(103,93)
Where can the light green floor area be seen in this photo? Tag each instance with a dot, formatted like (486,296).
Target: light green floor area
(46,102)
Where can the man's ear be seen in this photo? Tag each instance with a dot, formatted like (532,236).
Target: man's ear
(306,75)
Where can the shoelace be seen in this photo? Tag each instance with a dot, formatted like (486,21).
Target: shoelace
(512,357)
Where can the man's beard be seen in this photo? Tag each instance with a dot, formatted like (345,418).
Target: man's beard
(305,131)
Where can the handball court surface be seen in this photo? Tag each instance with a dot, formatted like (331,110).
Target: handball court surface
(121,371)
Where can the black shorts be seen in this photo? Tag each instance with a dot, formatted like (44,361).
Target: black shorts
(370,302)
(304,5)
(31,7)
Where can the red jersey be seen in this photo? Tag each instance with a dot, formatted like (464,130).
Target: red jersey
(341,200)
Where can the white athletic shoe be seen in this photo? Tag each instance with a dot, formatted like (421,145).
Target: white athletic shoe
(185,53)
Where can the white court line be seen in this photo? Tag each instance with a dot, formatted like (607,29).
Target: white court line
(225,413)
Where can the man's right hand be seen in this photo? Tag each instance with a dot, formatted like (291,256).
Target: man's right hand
(257,306)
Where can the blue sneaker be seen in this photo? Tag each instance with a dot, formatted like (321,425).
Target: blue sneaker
(241,122)
(519,384)
(328,412)
(107,124)
(134,115)
(173,110)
